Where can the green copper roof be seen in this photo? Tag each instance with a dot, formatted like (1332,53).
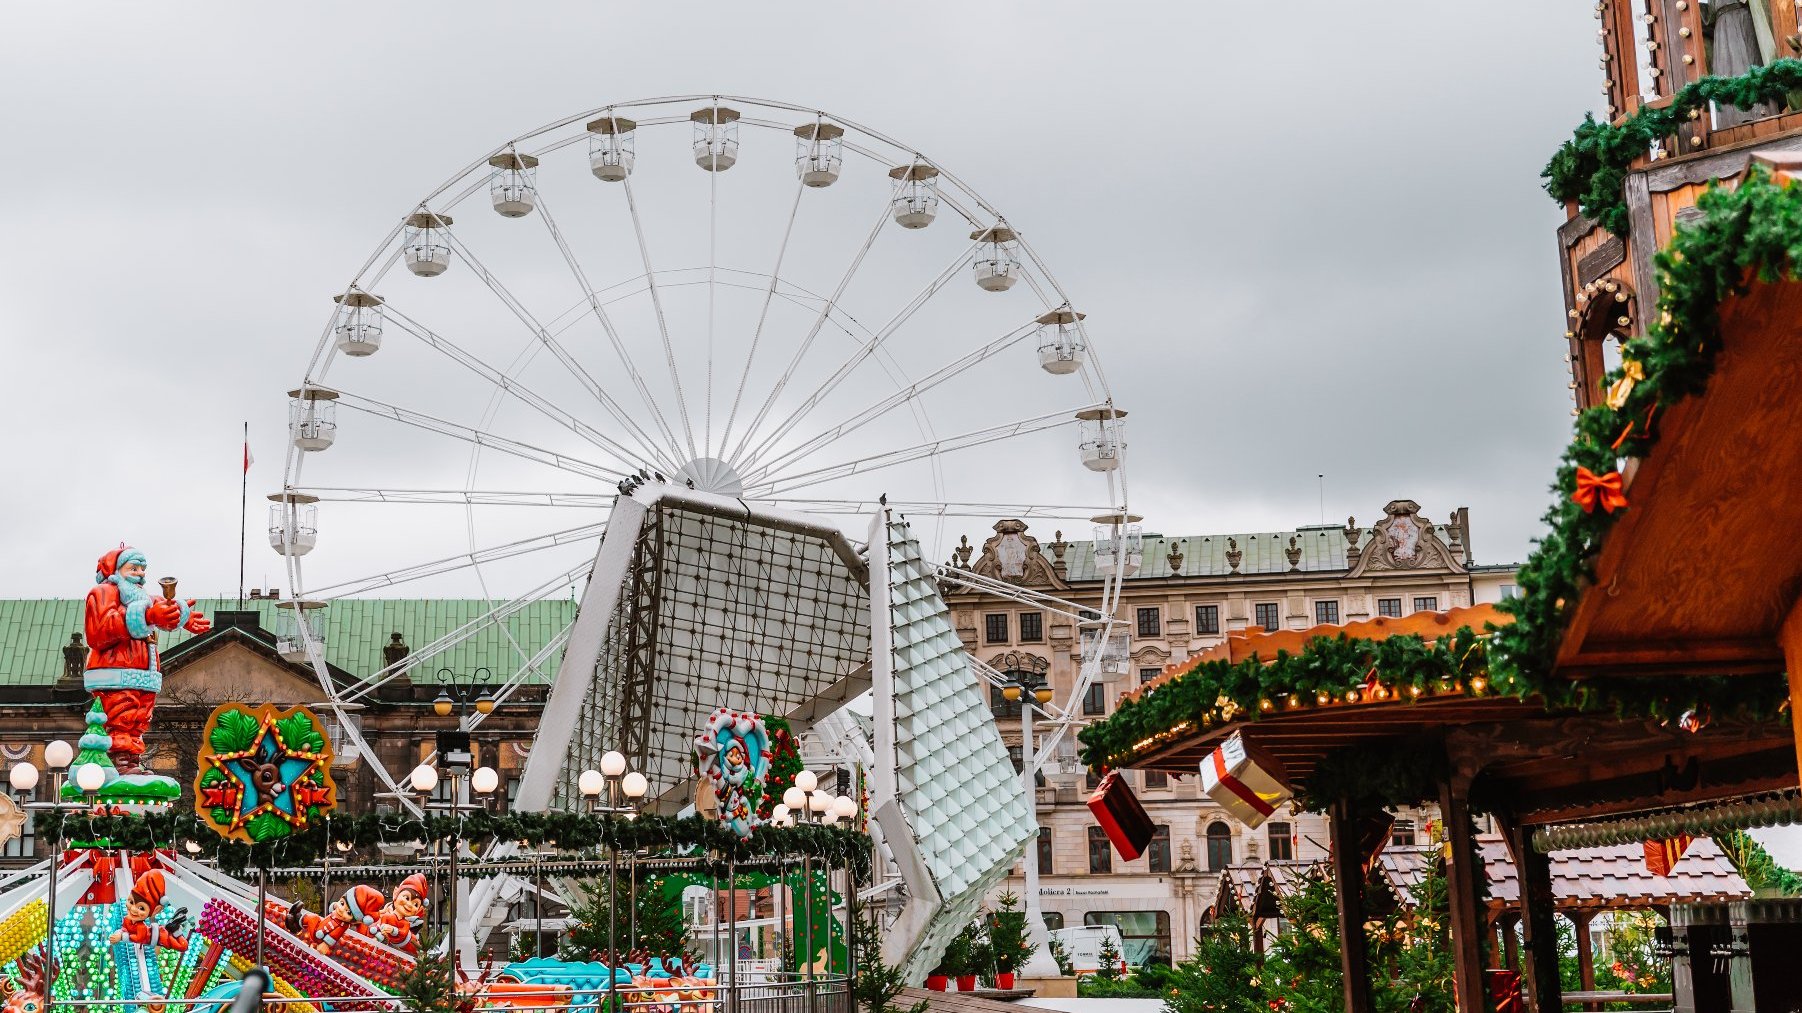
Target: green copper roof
(33,632)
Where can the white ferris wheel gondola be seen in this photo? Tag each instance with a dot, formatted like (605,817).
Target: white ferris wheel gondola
(312,417)
(426,252)
(610,142)
(997,261)
(819,152)
(715,137)
(357,326)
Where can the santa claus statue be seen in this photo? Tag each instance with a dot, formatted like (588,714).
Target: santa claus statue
(123,618)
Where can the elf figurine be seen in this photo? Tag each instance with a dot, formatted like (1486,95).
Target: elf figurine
(400,921)
(145,901)
(357,909)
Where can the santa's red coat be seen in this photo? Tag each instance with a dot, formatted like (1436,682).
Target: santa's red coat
(110,644)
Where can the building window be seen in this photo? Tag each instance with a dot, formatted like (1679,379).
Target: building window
(1044,851)
(1101,855)
(1032,627)
(1510,591)
(1092,780)
(1145,934)
(1220,846)
(1207,620)
(1391,607)
(1429,603)
(1151,622)
(26,844)
(1156,780)
(996,628)
(1094,699)
(1001,706)
(1053,919)
(1269,615)
(1157,854)
(1282,841)
(1402,834)
(1015,754)
(1326,612)
(1148,674)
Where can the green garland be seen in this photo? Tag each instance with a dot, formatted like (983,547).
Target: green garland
(1219,690)
(1591,167)
(573,832)
(1752,231)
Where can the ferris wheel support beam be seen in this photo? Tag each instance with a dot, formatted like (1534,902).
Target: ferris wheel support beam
(562,417)
(858,357)
(472,497)
(876,462)
(899,398)
(813,333)
(556,348)
(932,508)
(433,424)
(763,314)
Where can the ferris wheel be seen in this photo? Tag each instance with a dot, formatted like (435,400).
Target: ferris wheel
(748,299)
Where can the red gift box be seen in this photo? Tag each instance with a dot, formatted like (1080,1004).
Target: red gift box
(1120,814)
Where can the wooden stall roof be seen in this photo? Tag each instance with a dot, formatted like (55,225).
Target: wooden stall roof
(1587,879)
(1300,737)
(1699,575)
(1257,642)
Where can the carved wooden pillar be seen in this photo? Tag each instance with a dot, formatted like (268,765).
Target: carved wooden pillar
(1348,881)
(1539,931)
(1620,62)
(1510,940)
(1461,884)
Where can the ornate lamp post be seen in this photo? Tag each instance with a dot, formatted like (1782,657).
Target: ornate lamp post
(615,782)
(24,779)
(455,759)
(1027,686)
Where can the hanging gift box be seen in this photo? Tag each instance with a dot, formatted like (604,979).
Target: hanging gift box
(1245,781)
(1120,814)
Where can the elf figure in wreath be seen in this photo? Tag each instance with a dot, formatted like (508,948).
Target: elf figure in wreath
(123,618)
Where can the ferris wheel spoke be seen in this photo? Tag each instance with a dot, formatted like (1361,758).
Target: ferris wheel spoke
(555,347)
(613,337)
(857,358)
(934,448)
(503,612)
(533,665)
(433,424)
(813,333)
(418,571)
(669,348)
(627,457)
(1014,592)
(458,497)
(900,397)
(763,314)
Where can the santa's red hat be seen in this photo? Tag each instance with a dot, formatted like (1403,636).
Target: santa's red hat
(108,565)
(150,888)
(365,902)
(416,884)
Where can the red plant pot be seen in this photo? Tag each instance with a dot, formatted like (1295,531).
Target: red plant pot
(1004,980)
(966,983)
(936,982)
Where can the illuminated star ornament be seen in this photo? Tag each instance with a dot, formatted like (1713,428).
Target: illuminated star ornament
(264,773)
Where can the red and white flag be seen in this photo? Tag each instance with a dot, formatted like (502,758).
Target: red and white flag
(248,459)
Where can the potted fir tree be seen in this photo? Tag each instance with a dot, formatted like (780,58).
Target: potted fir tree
(1007,938)
(960,958)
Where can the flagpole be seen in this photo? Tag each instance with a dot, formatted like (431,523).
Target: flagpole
(243,511)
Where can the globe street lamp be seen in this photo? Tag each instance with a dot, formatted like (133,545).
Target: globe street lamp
(1026,685)
(615,781)
(454,756)
(23,777)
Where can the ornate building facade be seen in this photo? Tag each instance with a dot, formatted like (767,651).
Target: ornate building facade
(1190,593)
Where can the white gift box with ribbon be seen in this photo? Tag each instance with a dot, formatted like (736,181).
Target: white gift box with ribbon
(1245,781)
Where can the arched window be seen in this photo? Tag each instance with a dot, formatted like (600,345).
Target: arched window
(1220,846)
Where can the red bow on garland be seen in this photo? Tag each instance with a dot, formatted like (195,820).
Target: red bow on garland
(1599,490)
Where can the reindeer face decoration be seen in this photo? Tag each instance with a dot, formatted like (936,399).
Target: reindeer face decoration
(36,969)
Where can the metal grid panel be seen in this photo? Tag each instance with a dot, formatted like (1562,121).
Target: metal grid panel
(717,610)
(954,779)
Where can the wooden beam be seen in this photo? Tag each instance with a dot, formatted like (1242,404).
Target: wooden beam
(1789,636)
(1348,882)
(1462,868)
(1538,907)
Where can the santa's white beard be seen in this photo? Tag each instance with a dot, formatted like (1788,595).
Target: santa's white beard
(131,590)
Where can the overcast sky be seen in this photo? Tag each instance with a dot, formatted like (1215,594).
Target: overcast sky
(1309,237)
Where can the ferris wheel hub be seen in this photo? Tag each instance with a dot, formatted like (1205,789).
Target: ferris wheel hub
(710,474)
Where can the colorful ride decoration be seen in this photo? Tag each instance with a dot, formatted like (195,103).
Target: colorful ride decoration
(658,986)
(785,763)
(27,994)
(265,773)
(733,752)
(121,621)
